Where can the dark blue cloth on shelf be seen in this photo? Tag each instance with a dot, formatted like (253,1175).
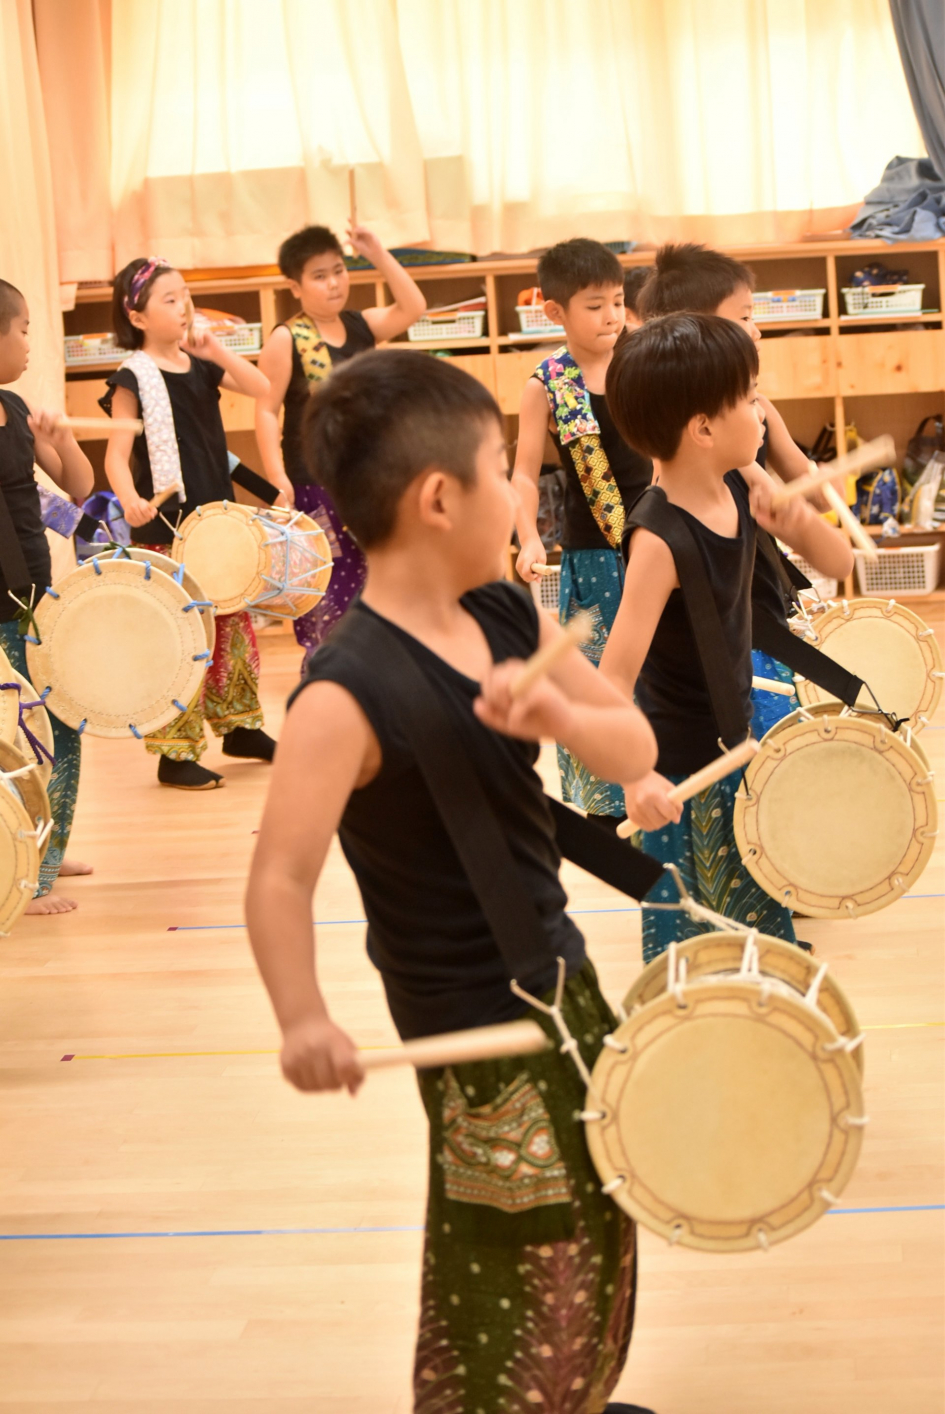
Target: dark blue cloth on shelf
(908,204)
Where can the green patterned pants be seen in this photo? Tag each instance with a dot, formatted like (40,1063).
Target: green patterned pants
(529,1271)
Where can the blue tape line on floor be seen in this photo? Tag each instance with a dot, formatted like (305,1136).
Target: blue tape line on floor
(335,1231)
(346,922)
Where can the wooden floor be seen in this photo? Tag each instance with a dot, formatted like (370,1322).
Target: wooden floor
(200,1238)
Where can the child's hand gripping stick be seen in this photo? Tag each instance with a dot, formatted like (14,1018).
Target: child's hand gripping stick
(716,770)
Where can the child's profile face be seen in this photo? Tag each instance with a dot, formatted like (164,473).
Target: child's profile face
(738,432)
(488,511)
(739,307)
(593,318)
(322,288)
(165,316)
(15,347)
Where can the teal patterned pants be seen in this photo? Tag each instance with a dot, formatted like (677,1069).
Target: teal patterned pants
(63,788)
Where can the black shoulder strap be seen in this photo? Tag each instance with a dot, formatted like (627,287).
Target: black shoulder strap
(652,511)
(791,578)
(775,638)
(471,821)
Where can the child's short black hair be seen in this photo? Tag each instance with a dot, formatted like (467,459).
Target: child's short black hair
(633,281)
(302,245)
(691,277)
(670,370)
(12,303)
(128,294)
(571,266)
(380,420)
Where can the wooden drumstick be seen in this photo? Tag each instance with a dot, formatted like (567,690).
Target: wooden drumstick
(162,496)
(103,425)
(576,631)
(544,569)
(849,522)
(716,770)
(876,453)
(512,1038)
(783,689)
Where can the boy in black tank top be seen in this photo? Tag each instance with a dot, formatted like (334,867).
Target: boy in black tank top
(424,487)
(301,353)
(28,436)
(583,285)
(683,390)
(695,279)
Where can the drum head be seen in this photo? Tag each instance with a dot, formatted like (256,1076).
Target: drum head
(118,648)
(721,955)
(835,817)
(19,858)
(223,545)
(890,648)
(37,720)
(167,565)
(726,1118)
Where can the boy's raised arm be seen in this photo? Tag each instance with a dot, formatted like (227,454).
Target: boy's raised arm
(325,728)
(532,429)
(798,525)
(409,302)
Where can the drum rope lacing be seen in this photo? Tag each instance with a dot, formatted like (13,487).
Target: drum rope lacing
(36,746)
(676,979)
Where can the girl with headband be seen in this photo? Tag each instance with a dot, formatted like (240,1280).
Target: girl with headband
(172,380)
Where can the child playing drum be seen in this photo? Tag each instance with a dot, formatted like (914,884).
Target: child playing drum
(299,355)
(682,389)
(172,381)
(413,452)
(28,436)
(693,278)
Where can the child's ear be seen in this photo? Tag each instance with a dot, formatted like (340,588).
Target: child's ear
(296,289)
(136,319)
(432,497)
(554,311)
(699,428)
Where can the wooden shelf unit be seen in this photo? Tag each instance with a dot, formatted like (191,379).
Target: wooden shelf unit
(840,369)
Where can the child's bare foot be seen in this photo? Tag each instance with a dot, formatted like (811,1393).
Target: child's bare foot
(73,866)
(51,903)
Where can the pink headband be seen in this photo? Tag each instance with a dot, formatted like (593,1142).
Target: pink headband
(141,277)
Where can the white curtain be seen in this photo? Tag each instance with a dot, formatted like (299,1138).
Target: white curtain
(28,257)
(478,125)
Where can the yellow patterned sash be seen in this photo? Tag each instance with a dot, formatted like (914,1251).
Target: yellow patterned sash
(312,349)
(578,430)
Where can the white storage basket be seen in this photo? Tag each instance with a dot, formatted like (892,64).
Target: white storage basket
(467,325)
(908,571)
(770,306)
(83,349)
(546,589)
(867,300)
(532,319)
(826,588)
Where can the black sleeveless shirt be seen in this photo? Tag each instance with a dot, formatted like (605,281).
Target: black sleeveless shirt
(671,689)
(427,935)
(359,338)
(632,473)
(18,484)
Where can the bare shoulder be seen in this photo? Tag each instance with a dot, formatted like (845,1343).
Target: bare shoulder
(327,723)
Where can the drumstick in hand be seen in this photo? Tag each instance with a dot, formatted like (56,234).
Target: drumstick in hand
(849,522)
(578,630)
(544,569)
(716,770)
(103,425)
(784,689)
(513,1038)
(878,453)
(162,496)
